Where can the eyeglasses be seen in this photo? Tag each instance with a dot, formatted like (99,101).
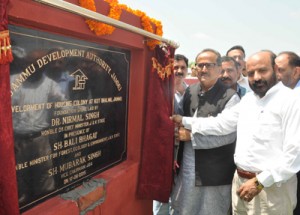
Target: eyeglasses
(179,67)
(206,65)
(179,74)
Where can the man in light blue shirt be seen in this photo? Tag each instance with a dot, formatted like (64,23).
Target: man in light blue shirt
(230,73)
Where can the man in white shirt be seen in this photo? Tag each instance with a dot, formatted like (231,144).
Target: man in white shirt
(268,142)
(288,71)
(180,67)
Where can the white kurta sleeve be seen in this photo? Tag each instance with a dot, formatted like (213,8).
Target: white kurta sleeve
(200,141)
(288,163)
(223,124)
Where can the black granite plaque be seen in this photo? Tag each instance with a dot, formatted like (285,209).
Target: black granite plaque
(69,106)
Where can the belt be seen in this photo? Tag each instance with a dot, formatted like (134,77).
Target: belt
(245,174)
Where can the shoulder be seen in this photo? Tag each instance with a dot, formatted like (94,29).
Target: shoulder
(193,88)
(226,91)
(296,92)
(230,91)
(282,92)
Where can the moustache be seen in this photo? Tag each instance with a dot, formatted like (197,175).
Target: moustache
(259,83)
(225,79)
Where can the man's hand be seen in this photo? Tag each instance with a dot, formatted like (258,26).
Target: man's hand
(183,134)
(175,166)
(177,119)
(248,190)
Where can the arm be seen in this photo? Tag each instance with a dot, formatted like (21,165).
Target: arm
(223,124)
(285,165)
(288,163)
(200,141)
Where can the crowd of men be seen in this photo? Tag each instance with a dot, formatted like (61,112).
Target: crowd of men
(237,127)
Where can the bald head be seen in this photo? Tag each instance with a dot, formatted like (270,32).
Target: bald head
(288,68)
(260,70)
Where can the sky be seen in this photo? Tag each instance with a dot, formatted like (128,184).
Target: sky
(221,24)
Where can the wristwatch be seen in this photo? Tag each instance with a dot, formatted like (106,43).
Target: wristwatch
(259,185)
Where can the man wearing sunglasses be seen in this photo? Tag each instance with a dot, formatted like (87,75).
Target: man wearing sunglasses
(203,185)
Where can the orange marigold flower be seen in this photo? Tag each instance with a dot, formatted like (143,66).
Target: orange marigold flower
(115,12)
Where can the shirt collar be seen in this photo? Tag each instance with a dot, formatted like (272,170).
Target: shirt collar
(185,85)
(298,84)
(272,90)
(242,78)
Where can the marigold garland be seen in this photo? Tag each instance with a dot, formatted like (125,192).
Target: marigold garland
(115,12)
(163,72)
